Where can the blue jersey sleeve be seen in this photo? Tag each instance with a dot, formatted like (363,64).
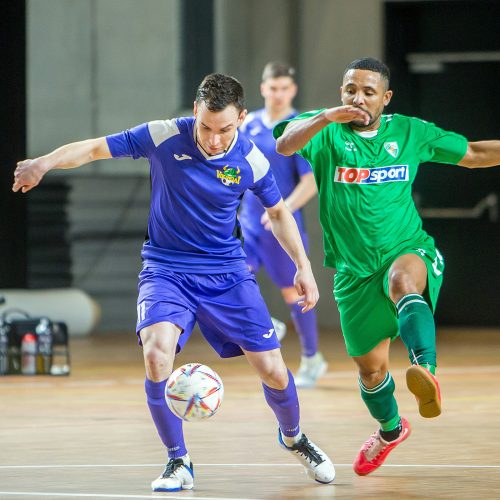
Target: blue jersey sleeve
(135,142)
(264,185)
(267,190)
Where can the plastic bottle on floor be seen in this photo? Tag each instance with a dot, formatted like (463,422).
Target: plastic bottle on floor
(28,354)
(44,337)
(4,348)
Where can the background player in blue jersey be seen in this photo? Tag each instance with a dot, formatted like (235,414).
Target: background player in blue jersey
(194,267)
(296,182)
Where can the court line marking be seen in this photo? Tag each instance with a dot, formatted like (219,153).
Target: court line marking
(462,370)
(109,495)
(76,466)
(341,374)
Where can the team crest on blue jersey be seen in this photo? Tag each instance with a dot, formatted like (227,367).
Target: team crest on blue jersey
(392,148)
(229,175)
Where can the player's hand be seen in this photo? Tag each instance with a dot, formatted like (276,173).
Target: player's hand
(264,220)
(306,287)
(28,175)
(346,114)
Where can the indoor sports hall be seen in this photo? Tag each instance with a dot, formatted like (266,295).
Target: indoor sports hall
(74,420)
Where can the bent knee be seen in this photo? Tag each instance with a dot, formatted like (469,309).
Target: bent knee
(158,360)
(372,377)
(275,377)
(401,283)
(153,354)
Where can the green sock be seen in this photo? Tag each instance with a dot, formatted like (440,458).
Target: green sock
(381,403)
(417,330)
(430,367)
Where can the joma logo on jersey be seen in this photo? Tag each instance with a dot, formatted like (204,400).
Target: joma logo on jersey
(378,175)
(229,175)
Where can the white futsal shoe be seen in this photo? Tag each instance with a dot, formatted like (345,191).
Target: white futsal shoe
(315,461)
(176,476)
(310,370)
(279,328)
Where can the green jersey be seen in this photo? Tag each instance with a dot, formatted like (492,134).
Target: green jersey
(364,186)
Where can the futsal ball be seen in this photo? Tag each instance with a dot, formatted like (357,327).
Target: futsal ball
(194,392)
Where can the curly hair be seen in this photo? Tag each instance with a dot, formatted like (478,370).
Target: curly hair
(371,64)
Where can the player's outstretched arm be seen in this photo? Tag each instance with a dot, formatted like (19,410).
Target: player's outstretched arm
(299,132)
(481,154)
(29,173)
(286,232)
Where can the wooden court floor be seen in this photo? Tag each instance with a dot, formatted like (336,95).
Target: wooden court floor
(89,435)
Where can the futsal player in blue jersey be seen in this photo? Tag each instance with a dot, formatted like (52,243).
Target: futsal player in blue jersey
(194,267)
(296,182)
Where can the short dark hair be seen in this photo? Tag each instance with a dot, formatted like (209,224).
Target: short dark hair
(275,69)
(370,64)
(219,91)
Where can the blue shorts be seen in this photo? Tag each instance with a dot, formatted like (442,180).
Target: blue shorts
(264,250)
(229,308)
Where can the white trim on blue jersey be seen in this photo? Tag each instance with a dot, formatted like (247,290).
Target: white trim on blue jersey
(259,163)
(161,130)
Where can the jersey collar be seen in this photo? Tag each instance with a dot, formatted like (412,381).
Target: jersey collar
(369,134)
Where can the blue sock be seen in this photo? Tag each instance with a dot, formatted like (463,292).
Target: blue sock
(285,405)
(168,425)
(306,326)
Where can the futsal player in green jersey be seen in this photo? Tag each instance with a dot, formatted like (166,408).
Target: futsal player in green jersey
(389,271)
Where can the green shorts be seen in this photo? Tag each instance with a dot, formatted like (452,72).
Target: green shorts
(367,314)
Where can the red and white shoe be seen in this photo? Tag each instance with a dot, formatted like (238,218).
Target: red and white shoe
(375,450)
(425,387)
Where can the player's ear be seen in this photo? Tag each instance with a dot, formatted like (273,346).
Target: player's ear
(387,97)
(341,90)
(242,117)
(195,108)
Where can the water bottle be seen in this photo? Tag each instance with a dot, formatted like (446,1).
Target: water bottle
(28,354)
(4,348)
(44,354)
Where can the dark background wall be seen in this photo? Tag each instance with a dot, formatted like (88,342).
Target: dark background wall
(13,230)
(445,62)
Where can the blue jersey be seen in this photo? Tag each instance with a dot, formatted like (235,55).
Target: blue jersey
(192,223)
(286,169)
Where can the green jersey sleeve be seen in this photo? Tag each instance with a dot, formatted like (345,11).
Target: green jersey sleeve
(315,145)
(440,146)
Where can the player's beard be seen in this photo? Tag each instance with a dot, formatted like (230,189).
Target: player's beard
(362,125)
